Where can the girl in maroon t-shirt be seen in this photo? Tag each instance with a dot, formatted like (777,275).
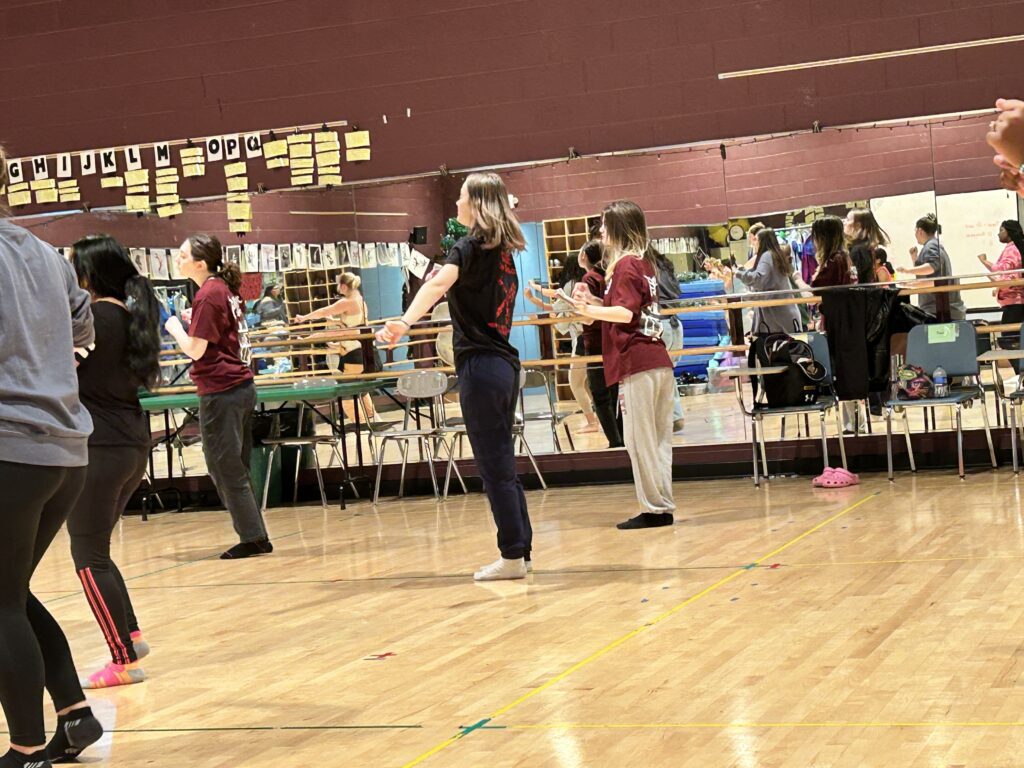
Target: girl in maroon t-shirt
(217,340)
(635,358)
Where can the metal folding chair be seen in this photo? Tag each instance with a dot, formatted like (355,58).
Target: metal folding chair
(826,401)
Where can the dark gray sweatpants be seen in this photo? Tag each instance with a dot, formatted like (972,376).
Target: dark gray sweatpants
(225,421)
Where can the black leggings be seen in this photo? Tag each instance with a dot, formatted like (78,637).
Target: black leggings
(33,650)
(1012,314)
(114,474)
(606,401)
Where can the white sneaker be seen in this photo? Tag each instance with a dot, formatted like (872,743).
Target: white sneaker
(502,569)
(529,566)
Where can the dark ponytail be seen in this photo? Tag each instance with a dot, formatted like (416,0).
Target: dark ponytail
(143,330)
(208,248)
(1013,229)
(104,268)
(929,224)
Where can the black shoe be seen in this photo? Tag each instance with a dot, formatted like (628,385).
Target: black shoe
(647,520)
(248,549)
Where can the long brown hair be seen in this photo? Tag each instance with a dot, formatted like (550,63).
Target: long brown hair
(829,239)
(867,228)
(768,242)
(494,224)
(207,248)
(625,230)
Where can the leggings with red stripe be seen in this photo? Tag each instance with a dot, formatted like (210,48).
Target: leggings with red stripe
(114,475)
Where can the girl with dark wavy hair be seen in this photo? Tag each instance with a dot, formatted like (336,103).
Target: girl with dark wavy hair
(126,357)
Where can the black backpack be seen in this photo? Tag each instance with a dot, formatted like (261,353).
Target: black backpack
(803,379)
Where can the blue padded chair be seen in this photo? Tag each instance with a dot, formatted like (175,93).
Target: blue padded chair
(954,347)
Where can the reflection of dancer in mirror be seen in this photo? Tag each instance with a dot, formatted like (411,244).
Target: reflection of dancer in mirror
(1010,298)
(571,274)
(480,279)
(352,311)
(44,431)
(126,357)
(636,359)
(218,341)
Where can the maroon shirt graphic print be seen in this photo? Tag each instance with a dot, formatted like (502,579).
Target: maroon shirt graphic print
(482,300)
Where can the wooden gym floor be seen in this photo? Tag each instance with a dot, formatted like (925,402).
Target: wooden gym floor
(868,626)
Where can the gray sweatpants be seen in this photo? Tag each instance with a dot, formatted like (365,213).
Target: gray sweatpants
(225,421)
(646,402)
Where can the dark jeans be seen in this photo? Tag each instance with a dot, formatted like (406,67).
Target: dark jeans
(606,401)
(1012,314)
(489,388)
(33,649)
(225,421)
(114,474)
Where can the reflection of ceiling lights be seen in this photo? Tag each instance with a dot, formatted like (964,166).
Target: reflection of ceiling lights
(872,57)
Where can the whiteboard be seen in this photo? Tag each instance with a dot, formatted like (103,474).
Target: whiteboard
(898,216)
(970,226)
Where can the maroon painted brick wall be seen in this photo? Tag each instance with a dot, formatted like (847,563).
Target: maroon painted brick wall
(274,218)
(487,81)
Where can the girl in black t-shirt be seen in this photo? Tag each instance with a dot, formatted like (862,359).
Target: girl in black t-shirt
(125,357)
(481,282)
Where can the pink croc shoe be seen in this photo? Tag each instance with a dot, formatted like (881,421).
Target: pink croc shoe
(836,477)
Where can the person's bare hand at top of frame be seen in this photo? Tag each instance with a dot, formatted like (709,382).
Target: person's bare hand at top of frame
(1006,137)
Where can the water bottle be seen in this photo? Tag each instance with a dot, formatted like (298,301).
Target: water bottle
(941,382)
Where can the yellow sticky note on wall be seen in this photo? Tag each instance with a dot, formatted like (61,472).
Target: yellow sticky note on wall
(332,170)
(300,138)
(302,162)
(70,197)
(275,149)
(278,162)
(19,198)
(357,155)
(135,178)
(357,139)
(301,181)
(142,189)
(21,187)
(300,150)
(195,169)
(46,196)
(235,169)
(334,181)
(325,137)
(238,183)
(169,210)
(43,184)
(67,183)
(137,202)
(239,211)
(191,152)
(162,173)
(167,189)
(240,226)
(167,199)
(109,182)
(328,158)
